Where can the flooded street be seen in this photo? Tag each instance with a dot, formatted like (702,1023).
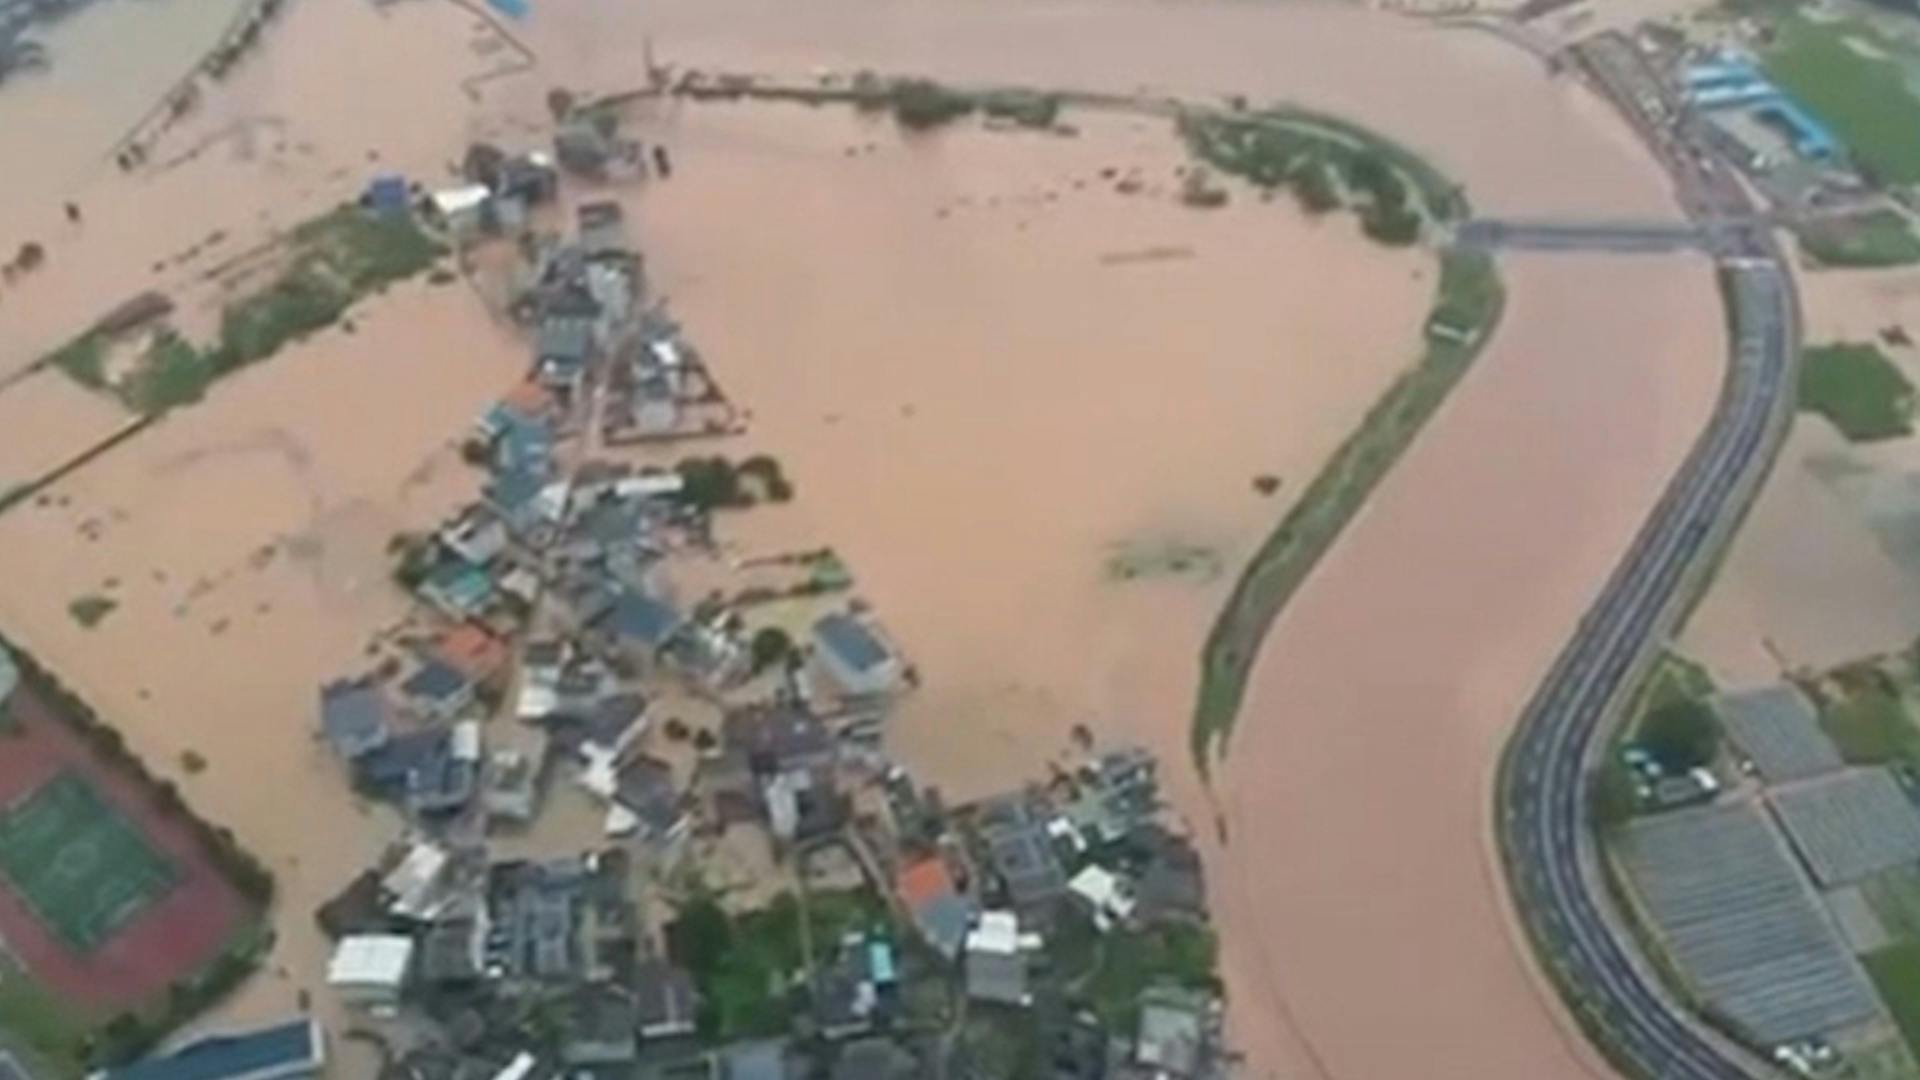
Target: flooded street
(1029,411)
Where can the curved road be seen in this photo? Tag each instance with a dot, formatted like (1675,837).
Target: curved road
(1542,801)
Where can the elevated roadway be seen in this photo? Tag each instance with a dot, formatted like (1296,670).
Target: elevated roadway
(1543,799)
(1617,237)
(1542,805)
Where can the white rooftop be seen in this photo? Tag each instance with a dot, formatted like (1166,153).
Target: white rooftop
(411,883)
(466,740)
(370,960)
(458,200)
(1099,887)
(997,932)
(518,1069)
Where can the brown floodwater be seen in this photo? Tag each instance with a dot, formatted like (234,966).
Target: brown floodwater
(1359,864)
(980,409)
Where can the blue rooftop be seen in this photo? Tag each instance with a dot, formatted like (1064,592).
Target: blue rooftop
(354,717)
(513,490)
(388,769)
(880,962)
(527,444)
(458,584)
(640,617)
(294,1049)
(851,641)
(387,194)
(435,681)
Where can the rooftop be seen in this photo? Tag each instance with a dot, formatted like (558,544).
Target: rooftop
(664,999)
(376,959)
(1850,824)
(639,617)
(924,882)
(851,641)
(471,651)
(435,682)
(293,1049)
(565,339)
(1745,927)
(353,716)
(778,738)
(762,1060)
(1172,1030)
(1777,728)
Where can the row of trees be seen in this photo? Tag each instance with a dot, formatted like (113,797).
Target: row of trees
(1315,168)
(712,483)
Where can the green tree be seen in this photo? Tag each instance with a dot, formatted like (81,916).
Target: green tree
(771,646)
(1680,735)
(701,937)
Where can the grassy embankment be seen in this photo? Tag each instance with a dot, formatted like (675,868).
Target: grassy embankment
(1857,388)
(330,263)
(918,104)
(1329,165)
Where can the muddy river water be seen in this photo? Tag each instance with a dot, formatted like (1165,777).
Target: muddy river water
(982,396)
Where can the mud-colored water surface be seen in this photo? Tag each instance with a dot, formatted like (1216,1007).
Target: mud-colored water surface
(987,372)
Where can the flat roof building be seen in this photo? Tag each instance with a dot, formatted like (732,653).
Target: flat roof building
(370,970)
(1744,927)
(1849,825)
(296,1050)
(854,655)
(1777,729)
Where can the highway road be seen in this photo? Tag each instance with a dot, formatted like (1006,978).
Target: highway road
(1542,802)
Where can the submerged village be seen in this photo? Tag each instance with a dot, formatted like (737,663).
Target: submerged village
(758,891)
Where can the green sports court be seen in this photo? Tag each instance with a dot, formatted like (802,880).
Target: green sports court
(80,866)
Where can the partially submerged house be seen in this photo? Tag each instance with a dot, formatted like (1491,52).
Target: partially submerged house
(854,656)
(637,626)
(355,718)
(666,1005)
(437,690)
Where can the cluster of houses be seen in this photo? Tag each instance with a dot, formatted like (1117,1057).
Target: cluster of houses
(547,648)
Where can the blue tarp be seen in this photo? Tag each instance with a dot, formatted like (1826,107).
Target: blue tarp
(512,9)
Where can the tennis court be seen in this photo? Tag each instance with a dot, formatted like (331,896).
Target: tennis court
(81,867)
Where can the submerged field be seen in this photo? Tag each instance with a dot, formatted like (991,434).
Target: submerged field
(982,364)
